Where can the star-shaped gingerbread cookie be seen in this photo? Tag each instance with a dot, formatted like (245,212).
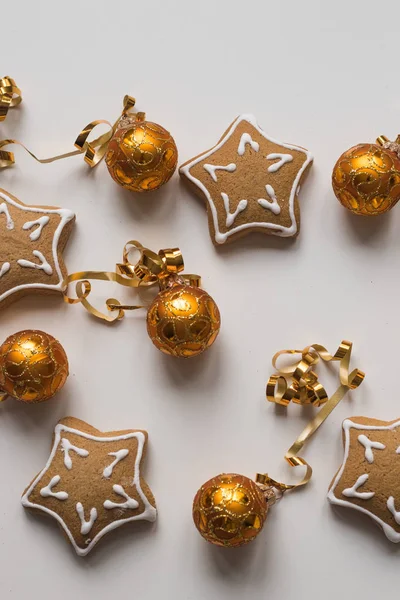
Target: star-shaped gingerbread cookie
(32,239)
(250,182)
(92,482)
(369,478)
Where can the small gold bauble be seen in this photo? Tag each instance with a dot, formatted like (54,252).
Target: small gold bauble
(141,155)
(366,179)
(229,510)
(33,366)
(183,321)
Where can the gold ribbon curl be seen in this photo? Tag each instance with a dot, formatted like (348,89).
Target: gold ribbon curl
(152,268)
(300,384)
(93,151)
(10,96)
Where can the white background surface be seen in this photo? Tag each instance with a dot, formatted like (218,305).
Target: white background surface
(319,74)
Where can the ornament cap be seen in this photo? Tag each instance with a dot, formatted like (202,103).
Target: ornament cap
(382,140)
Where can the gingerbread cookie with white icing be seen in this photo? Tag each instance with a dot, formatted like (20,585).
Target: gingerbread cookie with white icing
(250,182)
(32,239)
(92,482)
(369,478)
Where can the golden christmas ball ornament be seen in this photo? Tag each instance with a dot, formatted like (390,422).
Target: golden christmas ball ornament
(140,155)
(230,510)
(366,178)
(33,366)
(183,320)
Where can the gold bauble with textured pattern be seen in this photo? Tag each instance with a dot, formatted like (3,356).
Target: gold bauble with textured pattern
(366,179)
(183,321)
(141,155)
(33,366)
(229,510)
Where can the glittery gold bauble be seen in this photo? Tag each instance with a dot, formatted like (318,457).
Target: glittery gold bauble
(141,155)
(229,510)
(183,321)
(33,366)
(366,179)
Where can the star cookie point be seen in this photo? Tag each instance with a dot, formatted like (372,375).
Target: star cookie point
(250,182)
(92,482)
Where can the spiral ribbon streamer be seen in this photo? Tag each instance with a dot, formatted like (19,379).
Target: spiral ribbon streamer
(300,384)
(93,151)
(162,268)
(10,96)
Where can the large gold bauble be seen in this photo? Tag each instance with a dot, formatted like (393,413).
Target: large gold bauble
(33,366)
(183,321)
(229,510)
(141,155)
(366,179)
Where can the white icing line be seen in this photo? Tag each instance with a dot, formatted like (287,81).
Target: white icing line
(4,210)
(149,513)
(391,507)
(280,230)
(86,526)
(41,222)
(353,491)
(5,267)
(42,266)
(390,532)
(119,455)
(65,216)
(282,160)
(129,502)
(66,447)
(47,491)
(272,204)
(212,168)
(369,446)
(230,217)
(244,140)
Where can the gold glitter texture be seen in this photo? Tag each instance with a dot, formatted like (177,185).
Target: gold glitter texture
(141,155)
(33,366)
(183,321)
(366,179)
(229,510)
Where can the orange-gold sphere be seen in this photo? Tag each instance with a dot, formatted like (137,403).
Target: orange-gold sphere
(366,179)
(141,155)
(33,366)
(183,321)
(229,510)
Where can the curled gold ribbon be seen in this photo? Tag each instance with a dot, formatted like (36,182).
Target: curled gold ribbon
(10,96)
(300,383)
(93,151)
(151,268)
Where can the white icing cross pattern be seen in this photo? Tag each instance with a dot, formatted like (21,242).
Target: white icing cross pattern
(47,491)
(230,217)
(369,446)
(40,222)
(282,160)
(211,169)
(119,455)
(353,491)
(66,447)
(86,526)
(244,140)
(42,266)
(129,502)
